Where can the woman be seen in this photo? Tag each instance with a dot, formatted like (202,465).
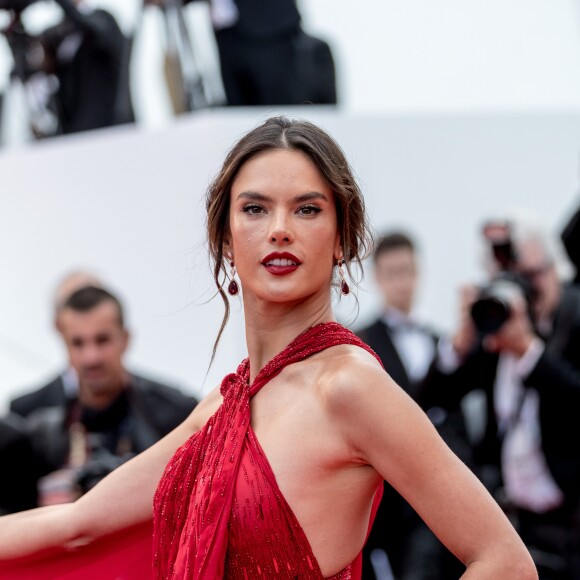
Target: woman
(310,420)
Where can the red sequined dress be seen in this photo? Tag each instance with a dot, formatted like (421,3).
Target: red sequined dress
(218,511)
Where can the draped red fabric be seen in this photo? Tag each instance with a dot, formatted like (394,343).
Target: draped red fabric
(193,503)
(126,555)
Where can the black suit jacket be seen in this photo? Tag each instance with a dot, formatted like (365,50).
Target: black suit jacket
(93,81)
(159,406)
(145,412)
(378,337)
(19,468)
(571,240)
(50,395)
(265,18)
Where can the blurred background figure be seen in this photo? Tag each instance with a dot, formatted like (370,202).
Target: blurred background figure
(408,350)
(66,384)
(517,343)
(97,414)
(19,467)
(75,73)
(571,240)
(265,56)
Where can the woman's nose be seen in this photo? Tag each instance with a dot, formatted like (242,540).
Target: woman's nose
(280,230)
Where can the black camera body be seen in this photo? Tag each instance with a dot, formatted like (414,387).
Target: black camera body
(493,306)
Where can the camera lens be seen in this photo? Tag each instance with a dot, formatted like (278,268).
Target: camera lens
(489,314)
(493,307)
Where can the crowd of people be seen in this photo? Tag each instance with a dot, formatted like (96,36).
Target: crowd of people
(517,344)
(76,74)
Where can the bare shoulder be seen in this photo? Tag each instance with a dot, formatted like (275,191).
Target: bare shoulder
(375,415)
(350,375)
(384,428)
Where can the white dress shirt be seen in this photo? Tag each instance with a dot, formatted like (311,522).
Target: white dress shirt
(414,344)
(528,482)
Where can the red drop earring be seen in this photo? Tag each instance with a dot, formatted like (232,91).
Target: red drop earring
(233,287)
(344,287)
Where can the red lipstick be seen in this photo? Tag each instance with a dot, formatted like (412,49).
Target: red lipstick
(280,263)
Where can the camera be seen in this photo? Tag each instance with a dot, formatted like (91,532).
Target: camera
(28,53)
(100,464)
(493,306)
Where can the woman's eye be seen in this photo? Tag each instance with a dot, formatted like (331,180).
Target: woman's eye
(309,210)
(252,209)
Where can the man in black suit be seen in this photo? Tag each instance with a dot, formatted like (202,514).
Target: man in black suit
(255,40)
(529,373)
(408,350)
(88,54)
(96,415)
(265,56)
(406,347)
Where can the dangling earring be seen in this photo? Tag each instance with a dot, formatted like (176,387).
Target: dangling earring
(344,288)
(233,288)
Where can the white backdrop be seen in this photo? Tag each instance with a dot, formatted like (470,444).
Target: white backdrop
(128,204)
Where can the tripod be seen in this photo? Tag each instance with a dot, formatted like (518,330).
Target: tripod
(188,88)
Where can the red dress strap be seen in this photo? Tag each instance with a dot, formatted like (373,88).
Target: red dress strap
(315,339)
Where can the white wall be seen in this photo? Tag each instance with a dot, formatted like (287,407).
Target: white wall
(453,54)
(128,204)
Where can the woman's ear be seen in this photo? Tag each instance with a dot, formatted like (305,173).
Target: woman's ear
(227,249)
(338,253)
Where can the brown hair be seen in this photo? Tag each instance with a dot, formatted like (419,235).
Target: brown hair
(89,297)
(392,241)
(327,156)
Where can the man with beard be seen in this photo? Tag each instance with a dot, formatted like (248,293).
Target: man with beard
(98,414)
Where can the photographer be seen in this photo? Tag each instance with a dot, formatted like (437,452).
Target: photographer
(518,341)
(97,415)
(86,54)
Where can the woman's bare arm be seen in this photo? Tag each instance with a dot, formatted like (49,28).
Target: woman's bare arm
(122,499)
(387,430)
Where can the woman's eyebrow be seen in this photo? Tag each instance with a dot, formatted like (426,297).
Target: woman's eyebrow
(310,196)
(255,196)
